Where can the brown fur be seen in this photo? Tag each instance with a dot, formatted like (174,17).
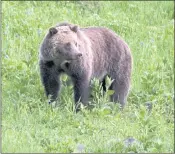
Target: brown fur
(85,53)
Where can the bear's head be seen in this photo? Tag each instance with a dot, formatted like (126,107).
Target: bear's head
(61,42)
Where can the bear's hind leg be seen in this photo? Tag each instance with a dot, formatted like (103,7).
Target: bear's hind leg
(121,89)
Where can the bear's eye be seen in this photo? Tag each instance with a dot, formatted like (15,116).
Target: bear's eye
(68,44)
(76,44)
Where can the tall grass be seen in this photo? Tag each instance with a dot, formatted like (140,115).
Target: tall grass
(29,124)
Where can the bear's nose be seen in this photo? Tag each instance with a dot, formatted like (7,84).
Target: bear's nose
(79,55)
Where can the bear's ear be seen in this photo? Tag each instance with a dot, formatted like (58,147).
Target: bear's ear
(52,31)
(74,28)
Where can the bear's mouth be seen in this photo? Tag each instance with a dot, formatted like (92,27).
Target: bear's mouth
(67,64)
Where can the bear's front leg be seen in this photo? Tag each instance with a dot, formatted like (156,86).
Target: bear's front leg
(81,91)
(50,79)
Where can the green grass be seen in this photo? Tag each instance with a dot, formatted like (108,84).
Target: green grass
(29,124)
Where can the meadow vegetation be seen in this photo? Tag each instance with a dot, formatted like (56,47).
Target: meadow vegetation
(29,124)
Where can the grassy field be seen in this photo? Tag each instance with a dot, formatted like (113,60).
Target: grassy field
(29,124)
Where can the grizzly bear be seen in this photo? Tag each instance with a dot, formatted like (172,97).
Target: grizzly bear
(83,54)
